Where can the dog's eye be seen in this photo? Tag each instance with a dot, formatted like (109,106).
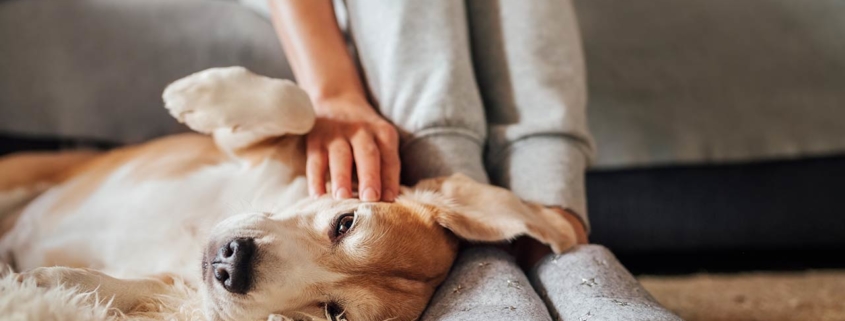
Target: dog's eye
(343,224)
(334,312)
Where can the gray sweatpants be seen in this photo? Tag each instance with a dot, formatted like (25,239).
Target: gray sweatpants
(481,84)
(495,89)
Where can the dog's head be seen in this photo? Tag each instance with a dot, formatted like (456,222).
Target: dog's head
(353,260)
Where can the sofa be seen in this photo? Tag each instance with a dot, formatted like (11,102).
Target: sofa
(720,124)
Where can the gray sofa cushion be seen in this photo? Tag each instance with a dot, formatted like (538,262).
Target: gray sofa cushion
(714,81)
(96,68)
(670,81)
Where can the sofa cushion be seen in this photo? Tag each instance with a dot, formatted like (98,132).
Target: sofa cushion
(685,82)
(95,69)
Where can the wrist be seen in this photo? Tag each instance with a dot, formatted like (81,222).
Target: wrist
(328,101)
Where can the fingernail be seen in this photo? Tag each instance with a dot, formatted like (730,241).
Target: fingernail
(314,193)
(369,195)
(388,196)
(341,193)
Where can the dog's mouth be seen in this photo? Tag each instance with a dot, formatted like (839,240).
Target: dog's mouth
(230,265)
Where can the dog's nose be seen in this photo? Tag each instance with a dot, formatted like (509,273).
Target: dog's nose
(232,266)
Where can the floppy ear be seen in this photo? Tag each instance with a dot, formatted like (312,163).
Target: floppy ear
(481,212)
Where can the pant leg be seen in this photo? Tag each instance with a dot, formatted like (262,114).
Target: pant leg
(588,283)
(486,284)
(530,69)
(415,56)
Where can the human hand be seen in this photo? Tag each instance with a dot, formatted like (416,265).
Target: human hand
(347,131)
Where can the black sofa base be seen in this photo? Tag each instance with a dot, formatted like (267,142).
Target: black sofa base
(796,204)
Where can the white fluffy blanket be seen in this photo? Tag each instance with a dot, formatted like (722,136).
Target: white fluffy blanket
(25,301)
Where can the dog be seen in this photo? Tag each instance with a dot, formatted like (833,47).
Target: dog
(227,216)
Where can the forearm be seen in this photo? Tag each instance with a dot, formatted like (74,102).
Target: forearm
(316,50)
(348,133)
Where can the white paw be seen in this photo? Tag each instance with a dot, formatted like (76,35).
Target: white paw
(235,100)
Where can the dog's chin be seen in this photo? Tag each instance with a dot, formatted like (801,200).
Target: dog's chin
(213,305)
(220,305)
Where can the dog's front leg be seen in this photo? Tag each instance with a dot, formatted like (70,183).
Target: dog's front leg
(239,108)
(124,294)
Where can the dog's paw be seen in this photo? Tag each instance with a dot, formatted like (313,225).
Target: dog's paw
(52,277)
(234,100)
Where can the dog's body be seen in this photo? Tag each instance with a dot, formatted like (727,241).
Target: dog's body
(230,217)
(129,192)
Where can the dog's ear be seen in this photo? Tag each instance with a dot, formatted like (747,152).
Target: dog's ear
(481,212)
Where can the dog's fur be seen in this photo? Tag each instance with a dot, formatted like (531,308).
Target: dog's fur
(140,223)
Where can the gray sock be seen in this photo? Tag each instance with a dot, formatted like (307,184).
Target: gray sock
(589,284)
(486,284)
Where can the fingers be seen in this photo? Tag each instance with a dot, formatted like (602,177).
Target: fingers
(340,168)
(368,163)
(372,145)
(388,143)
(315,167)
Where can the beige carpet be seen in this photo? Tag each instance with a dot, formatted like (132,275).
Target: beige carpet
(804,296)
